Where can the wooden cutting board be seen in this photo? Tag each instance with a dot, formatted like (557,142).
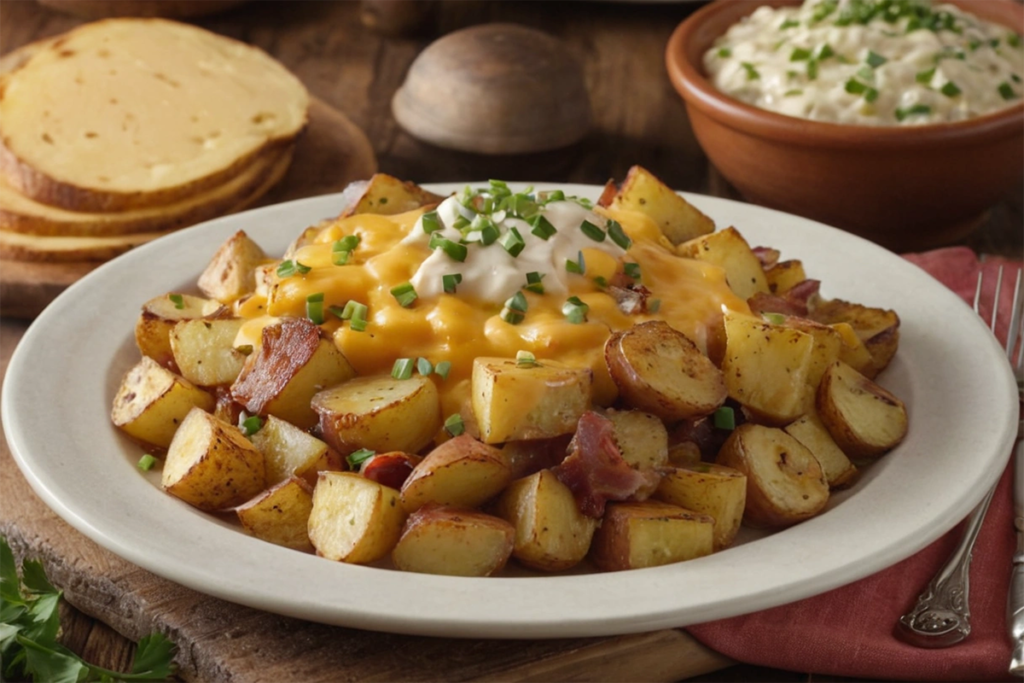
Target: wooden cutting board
(332,152)
(220,641)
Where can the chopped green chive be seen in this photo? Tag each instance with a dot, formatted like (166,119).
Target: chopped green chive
(575,310)
(601,281)
(542,227)
(403,367)
(1007,92)
(515,309)
(724,52)
(632,270)
(512,242)
(774,318)
(553,196)
(824,52)
(812,69)
(340,258)
(789,23)
(800,55)
(450,282)
(346,243)
(337,311)
(579,266)
(443,368)
(533,282)
(455,251)
(430,221)
(525,359)
(916,110)
(752,74)
(867,73)
(178,300)
(950,89)
(146,462)
(792,93)
(925,77)
(424,366)
(1014,40)
(251,425)
(592,231)
(653,306)
(724,418)
(357,458)
(404,294)
(292,267)
(619,235)
(315,307)
(454,424)
(355,313)
(875,60)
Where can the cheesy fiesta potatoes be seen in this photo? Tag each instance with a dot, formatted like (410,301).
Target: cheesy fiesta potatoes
(456,383)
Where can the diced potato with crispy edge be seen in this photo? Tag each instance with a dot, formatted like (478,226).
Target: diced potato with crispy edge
(226,408)
(853,352)
(865,420)
(825,351)
(354,519)
(683,454)
(462,472)
(290,451)
(391,469)
(649,534)
(661,371)
(644,193)
(766,367)
(204,350)
(809,430)
(386,195)
(160,314)
(513,402)
(292,364)
(785,483)
(551,534)
(878,328)
(526,457)
(444,540)
(152,401)
(379,413)
(784,275)
(714,490)
(231,273)
(729,250)
(211,465)
(641,437)
(280,515)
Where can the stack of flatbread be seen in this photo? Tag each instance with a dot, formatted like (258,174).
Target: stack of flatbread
(123,130)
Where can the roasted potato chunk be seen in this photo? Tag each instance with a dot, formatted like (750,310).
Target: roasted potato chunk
(641,437)
(280,515)
(551,534)
(661,371)
(526,457)
(385,195)
(290,451)
(785,483)
(714,490)
(152,401)
(730,251)
(864,419)
(160,314)
(878,328)
(354,519)
(784,275)
(211,465)
(766,367)
(292,364)
(649,534)
(444,540)
(231,273)
(513,402)
(461,472)
(809,430)
(644,193)
(379,413)
(204,350)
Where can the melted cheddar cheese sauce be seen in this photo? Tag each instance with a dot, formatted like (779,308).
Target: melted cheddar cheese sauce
(465,325)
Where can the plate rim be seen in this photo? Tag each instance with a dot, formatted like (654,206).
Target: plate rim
(546,622)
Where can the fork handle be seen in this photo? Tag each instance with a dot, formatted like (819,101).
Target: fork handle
(942,615)
(1015,614)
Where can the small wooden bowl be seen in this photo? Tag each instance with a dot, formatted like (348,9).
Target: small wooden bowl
(495,89)
(907,188)
(167,9)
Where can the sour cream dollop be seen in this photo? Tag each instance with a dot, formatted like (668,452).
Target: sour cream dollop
(870,62)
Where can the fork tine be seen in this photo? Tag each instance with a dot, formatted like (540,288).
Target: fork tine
(1016,323)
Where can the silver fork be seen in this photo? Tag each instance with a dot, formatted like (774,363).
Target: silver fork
(942,615)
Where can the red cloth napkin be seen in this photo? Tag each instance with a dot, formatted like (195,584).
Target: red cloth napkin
(849,631)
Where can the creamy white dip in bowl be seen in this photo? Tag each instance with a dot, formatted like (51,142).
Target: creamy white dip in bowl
(907,184)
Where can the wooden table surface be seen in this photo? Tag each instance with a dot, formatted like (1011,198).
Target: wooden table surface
(638,120)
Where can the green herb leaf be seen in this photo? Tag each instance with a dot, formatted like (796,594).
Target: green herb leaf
(792,93)
(402,368)
(455,251)
(404,294)
(799,55)
(619,235)
(916,110)
(450,282)
(542,227)
(512,242)
(789,23)
(724,418)
(454,424)
(1006,91)
(824,52)
(154,657)
(752,74)
(443,368)
(925,77)
(575,310)
(178,300)
(875,60)
(812,69)
(533,282)
(578,266)
(291,267)
(430,222)
(251,425)
(424,366)
(357,458)
(315,308)
(592,231)
(146,462)
(950,89)
(346,243)
(724,52)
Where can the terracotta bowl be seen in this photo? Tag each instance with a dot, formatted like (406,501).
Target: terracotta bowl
(905,188)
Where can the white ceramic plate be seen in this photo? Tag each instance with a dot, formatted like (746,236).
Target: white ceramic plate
(949,370)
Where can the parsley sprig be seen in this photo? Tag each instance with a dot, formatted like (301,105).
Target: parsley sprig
(30,624)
